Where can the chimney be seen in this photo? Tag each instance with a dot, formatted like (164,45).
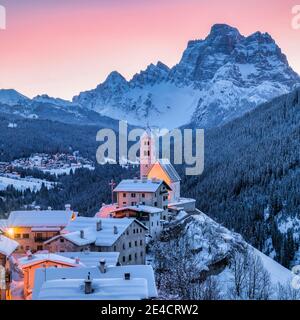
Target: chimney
(102,266)
(68,207)
(99,225)
(144,179)
(82,234)
(115,230)
(127,276)
(88,289)
(29,255)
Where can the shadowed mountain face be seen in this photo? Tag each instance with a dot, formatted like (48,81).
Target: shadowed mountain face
(251,178)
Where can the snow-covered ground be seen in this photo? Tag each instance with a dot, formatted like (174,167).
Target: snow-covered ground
(67,170)
(278,273)
(286,222)
(22,184)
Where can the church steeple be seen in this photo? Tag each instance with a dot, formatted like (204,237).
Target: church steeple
(147,153)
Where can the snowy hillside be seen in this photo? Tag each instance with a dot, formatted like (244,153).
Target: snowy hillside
(197,249)
(44,107)
(22,184)
(217,79)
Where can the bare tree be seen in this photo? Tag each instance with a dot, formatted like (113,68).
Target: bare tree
(287,292)
(178,272)
(251,281)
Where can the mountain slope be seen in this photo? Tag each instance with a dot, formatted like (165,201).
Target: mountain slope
(47,108)
(251,177)
(11,97)
(218,79)
(205,257)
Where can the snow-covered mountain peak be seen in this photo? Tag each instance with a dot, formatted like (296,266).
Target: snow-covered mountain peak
(217,79)
(12,97)
(114,79)
(152,74)
(224,30)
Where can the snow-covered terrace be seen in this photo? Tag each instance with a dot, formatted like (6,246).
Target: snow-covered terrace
(141,208)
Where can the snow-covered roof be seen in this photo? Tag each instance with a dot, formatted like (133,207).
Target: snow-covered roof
(92,259)
(103,289)
(141,208)
(89,237)
(45,229)
(42,257)
(3,224)
(138,185)
(169,169)
(136,272)
(7,246)
(105,237)
(36,218)
(106,210)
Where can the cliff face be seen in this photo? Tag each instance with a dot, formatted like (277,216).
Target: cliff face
(196,256)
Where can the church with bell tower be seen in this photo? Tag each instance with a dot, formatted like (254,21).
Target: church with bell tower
(147,153)
(161,169)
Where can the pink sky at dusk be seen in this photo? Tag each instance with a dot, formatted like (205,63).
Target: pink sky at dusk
(67,46)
